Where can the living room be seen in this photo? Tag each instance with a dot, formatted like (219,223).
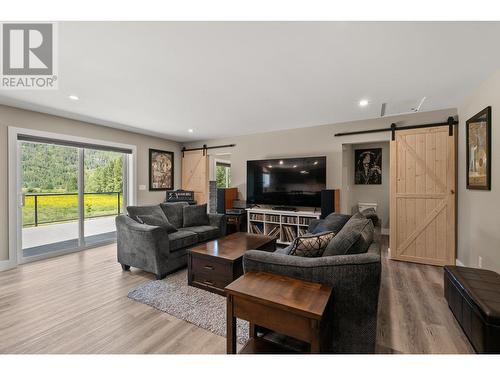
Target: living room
(265,188)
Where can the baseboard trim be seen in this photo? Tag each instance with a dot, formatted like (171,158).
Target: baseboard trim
(7,265)
(459,263)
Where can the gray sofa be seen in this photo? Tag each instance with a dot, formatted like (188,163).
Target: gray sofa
(163,249)
(355,279)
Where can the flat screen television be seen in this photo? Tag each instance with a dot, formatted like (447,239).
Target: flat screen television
(286,182)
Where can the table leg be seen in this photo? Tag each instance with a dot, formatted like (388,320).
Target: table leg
(253,330)
(316,337)
(231,327)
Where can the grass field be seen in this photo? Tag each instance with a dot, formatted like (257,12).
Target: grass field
(58,208)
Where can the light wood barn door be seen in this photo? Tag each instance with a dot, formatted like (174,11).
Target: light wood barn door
(195,174)
(423,196)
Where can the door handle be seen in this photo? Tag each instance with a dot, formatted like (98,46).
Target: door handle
(452,191)
(209,268)
(22,199)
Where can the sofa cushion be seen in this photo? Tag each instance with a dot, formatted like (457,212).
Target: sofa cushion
(181,239)
(135,211)
(311,245)
(354,238)
(332,223)
(173,212)
(204,232)
(157,221)
(195,215)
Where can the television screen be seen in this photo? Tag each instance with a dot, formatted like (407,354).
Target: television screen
(286,182)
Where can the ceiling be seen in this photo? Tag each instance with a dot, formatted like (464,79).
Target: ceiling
(232,78)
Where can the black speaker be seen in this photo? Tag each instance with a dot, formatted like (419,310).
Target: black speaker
(328,202)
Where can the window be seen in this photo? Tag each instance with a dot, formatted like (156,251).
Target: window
(223,174)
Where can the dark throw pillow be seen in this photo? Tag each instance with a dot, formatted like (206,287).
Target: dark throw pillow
(332,223)
(195,215)
(311,245)
(371,214)
(157,221)
(354,238)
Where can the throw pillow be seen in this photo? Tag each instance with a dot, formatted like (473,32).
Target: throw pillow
(354,238)
(195,215)
(332,223)
(371,214)
(311,245)
(157,221)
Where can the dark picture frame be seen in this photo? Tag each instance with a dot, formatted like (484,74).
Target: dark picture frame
(478,150)
(368,166)
(161,170)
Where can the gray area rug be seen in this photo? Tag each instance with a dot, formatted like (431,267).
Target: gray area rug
(197,306)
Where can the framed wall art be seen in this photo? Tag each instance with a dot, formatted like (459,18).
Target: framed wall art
(368,166)
(161,170)
(478,150)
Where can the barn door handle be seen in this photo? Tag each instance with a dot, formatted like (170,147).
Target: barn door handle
(452,191)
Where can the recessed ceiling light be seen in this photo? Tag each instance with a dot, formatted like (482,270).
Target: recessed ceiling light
(363,103)
(190,130)
(281,162)
(269,166)
(295,166)
(74,97)
(316,162)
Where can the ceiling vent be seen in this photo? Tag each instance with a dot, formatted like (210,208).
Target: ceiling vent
(401,107)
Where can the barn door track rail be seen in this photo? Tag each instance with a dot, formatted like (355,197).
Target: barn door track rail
(205,148)
(451,122)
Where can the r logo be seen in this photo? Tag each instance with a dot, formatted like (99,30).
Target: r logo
(27,49)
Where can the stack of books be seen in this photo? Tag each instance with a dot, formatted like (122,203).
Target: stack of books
(302,231)
(254,228)
(289,219)
(305,220)
(274,232)
(289,233)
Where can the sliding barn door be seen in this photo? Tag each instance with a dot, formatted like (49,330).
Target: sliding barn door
(195,174)
(423,196)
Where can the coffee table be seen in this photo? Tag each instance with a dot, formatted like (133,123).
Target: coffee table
(215,264)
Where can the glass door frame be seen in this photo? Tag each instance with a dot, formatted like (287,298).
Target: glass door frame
(16,197)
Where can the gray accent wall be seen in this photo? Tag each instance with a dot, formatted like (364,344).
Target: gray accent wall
(21,118)
(478,221)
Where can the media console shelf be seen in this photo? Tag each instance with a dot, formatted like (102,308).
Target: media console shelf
(283,225)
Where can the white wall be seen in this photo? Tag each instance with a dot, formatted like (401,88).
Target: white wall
(367,193)
(33,120)
(478,211)
(311,141)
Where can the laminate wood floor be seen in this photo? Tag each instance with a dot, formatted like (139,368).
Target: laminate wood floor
(78,303)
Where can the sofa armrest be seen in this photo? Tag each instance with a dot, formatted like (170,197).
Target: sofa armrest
(219,221)
(141,245)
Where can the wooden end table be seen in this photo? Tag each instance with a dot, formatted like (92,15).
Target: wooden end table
(282,304)
(215,264)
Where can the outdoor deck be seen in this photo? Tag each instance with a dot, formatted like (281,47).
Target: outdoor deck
(58,236)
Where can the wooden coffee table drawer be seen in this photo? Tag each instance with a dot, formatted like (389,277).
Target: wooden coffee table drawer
(209,266)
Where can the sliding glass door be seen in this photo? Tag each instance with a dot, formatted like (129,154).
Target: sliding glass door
(50,213)
(70,196)
(103,197)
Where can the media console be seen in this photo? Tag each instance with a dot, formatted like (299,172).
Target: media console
(285,226)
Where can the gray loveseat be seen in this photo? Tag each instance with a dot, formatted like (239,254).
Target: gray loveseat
(355,279)
(162,248)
